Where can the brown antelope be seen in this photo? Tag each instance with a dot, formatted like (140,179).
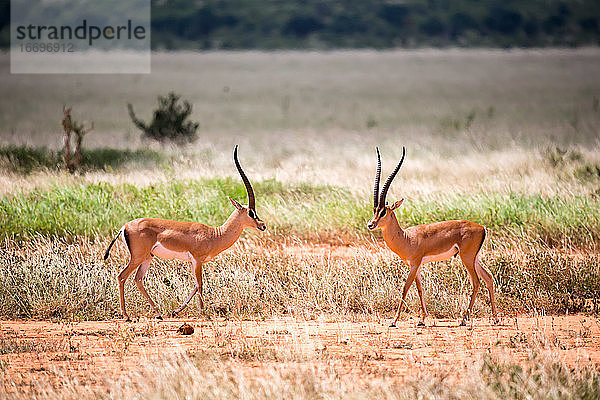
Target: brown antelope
(421,244)
(187,241)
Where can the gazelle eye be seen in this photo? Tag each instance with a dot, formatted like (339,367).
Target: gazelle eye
(382,212)
(251,214)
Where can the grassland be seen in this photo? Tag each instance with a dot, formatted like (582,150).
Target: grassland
(491,138)
(506,139)
(248,283)
(271,102)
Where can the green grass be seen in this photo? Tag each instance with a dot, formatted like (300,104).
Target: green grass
(292,210)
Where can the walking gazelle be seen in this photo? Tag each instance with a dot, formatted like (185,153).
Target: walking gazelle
(421,244)
(187,241)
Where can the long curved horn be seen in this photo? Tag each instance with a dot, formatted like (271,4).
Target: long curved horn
(376,186)
(390,178)
(251,201)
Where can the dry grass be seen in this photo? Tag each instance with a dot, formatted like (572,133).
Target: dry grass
(259,369)
(469,118)
(68,280)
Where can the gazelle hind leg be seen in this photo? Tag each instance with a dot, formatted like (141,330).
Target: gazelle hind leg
(139,281)
(122,278)
(489,282)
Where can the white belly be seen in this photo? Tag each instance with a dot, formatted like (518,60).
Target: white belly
(440,256)
(161,251)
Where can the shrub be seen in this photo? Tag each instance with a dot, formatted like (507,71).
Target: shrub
(169,121)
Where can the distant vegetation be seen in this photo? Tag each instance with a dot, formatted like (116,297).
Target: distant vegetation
(25,159)
(215,24)
(236,24)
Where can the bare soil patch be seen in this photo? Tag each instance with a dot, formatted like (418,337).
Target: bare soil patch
(97,354)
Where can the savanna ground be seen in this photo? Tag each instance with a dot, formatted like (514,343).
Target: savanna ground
(508,139)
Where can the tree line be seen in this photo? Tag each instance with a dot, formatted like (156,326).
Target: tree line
(324,24)
(274,24)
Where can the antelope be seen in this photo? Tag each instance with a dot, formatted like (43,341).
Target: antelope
(421,244)
(197,243)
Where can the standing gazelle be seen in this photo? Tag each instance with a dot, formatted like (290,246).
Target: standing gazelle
(187,241)
(421,244)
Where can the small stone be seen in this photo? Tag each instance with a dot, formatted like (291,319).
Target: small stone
(185,329)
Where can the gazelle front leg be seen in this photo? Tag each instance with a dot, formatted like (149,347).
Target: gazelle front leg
(420,290)
(414,268)
(197,269)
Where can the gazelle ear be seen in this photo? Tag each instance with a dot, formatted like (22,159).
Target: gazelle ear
(235,203)
(396,204)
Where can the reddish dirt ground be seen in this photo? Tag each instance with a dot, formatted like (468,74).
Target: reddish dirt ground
(99,352)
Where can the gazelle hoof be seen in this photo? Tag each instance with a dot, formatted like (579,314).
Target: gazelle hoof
(174,313)
(421,323)
(159,317)
(392,325)
(463,322)
(127,319)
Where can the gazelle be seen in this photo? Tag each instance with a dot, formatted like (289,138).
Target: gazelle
(187,241)
(421,244)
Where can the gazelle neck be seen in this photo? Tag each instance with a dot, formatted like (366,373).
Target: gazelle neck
(230,231)
(395,237)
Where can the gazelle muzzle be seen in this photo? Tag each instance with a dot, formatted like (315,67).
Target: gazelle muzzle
(377,215)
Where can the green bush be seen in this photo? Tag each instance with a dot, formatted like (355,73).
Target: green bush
(169,121)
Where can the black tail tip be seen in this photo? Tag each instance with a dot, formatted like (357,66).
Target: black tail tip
(106,256)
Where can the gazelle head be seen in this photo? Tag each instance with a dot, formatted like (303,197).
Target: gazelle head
(382,213)
(248,214)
